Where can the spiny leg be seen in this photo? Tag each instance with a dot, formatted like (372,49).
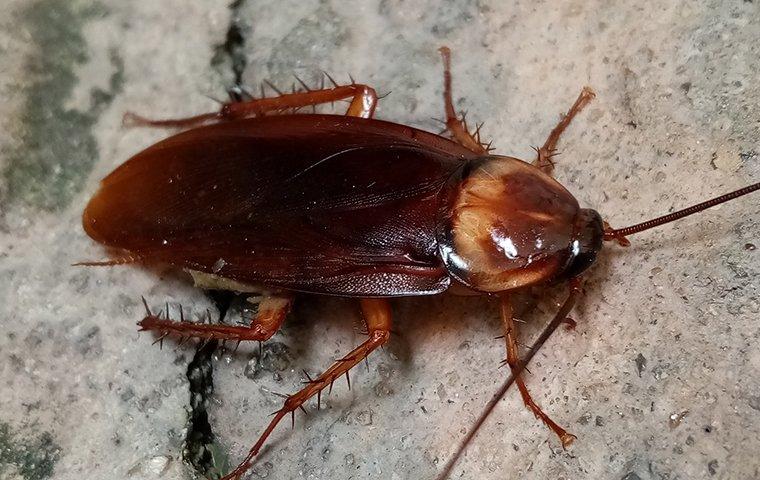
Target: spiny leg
(272,311)
(119,259)
(544,154)
(377,315)
(363,102)
(538,343)
(455,126)
(510,334)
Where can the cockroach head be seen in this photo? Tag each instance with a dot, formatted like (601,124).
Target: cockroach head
(588,237)
(512,225)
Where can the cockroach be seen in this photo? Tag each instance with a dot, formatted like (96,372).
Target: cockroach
(258,197)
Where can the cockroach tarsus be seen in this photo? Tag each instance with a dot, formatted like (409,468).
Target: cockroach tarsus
(256,198)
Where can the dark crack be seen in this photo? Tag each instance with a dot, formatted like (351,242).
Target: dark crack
(231,55)
(199,435)
(201,450)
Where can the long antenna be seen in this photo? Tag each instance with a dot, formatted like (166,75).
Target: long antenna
(558,319)
(621,233)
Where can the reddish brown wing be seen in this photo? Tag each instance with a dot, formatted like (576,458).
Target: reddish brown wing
(315,203)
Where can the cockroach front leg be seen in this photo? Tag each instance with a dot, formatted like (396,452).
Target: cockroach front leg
(377,315)
(272,311)
(510,335)
(549,149)
(455,126)
(363,102)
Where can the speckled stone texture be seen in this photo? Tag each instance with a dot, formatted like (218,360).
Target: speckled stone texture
(660,380)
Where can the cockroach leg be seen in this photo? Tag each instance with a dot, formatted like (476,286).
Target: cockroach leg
(363,102)
(510,332)
(271,313)
(551,327)
(456,126)
(123,259)
(377,315)
(544,154)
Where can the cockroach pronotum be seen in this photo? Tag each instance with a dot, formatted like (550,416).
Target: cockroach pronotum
(258,197)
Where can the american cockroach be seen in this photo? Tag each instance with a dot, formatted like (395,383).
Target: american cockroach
(258,197)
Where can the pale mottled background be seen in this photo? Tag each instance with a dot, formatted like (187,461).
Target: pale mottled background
(668,327)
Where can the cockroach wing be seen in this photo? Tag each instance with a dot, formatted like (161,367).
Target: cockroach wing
(314,203)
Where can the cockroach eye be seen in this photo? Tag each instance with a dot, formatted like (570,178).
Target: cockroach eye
(589,236)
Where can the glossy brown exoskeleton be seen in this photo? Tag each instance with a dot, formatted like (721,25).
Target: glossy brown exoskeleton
(255,198)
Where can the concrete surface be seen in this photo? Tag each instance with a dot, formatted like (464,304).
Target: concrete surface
(660,380)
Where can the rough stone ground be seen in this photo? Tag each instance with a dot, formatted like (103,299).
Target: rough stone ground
(660,380)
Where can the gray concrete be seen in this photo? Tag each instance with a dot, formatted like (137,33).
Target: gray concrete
(660,380)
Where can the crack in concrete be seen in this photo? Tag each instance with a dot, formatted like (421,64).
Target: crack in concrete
(201,450)
(231,54)
(199,435)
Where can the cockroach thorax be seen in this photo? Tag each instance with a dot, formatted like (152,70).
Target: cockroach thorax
(512,225)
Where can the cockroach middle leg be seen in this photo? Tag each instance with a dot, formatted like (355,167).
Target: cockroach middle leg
(272,311)
(363,102)
(456,126)
(548,150)
(510,334)
(377,315)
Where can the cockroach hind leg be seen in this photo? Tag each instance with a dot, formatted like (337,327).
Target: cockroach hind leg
(271,313)
(549,149)
(510,331)
(377,315)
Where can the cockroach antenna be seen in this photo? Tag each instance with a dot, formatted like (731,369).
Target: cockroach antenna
(620,234)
